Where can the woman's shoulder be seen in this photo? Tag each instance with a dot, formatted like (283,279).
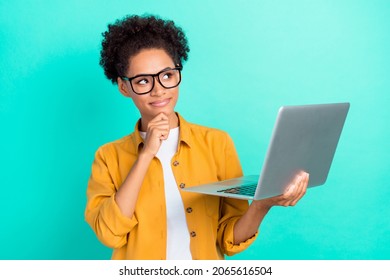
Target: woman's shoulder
(123,144)
(203,129)
(184,124)
(206,129)
(206,134)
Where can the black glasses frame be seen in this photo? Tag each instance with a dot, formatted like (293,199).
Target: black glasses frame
(179,68)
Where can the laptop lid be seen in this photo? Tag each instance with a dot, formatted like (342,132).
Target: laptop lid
(304,138)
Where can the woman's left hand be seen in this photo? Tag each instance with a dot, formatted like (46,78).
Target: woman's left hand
(295,191)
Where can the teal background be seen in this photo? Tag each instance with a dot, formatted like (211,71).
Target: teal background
(247,58)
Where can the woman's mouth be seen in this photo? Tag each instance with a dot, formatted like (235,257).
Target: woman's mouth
(160,103)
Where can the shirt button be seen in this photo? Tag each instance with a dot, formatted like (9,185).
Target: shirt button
(193,233)
(175,163)
(182,185)
(189,210)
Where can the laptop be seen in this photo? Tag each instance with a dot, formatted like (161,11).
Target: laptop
(304,138)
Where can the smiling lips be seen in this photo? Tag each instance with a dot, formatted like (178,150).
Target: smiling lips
(160,103)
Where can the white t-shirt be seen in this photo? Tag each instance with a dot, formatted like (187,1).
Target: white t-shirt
(178,238)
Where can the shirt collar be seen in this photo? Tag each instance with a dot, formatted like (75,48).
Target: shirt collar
(184,136)
(185,131)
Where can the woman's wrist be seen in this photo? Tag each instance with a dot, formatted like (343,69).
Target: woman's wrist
(263,205)
(145,156)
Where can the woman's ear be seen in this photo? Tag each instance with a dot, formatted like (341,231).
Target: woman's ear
(123,88)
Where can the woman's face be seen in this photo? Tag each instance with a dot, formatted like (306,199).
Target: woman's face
(159,99)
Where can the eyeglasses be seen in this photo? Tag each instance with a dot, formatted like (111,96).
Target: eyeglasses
(143,84)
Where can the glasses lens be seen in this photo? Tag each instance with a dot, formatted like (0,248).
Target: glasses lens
(169,78)
(142,84)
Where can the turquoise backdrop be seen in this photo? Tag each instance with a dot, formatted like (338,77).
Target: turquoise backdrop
(247,58)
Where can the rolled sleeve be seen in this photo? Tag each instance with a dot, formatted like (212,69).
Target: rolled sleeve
(113,219)
(229,248)
(102,212)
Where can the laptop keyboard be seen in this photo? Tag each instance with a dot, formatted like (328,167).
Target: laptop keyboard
(241,190)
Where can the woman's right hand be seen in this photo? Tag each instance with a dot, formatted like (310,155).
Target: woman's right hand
(127,194)
(157,131)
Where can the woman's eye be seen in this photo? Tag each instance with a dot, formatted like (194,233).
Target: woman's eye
(142,82)
(167,75)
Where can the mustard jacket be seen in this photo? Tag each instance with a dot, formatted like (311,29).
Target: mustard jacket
(204,155)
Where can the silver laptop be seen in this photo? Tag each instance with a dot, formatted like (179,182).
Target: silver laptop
(304,138)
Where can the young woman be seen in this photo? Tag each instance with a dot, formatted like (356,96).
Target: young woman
(135,203)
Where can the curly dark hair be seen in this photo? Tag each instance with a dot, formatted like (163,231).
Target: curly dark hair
(128,36)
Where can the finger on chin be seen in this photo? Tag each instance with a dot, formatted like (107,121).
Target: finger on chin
(162,116)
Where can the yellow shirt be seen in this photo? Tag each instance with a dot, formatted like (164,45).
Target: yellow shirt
(204,155)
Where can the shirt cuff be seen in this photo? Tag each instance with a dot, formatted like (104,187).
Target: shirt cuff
(230,247)
(112,216)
